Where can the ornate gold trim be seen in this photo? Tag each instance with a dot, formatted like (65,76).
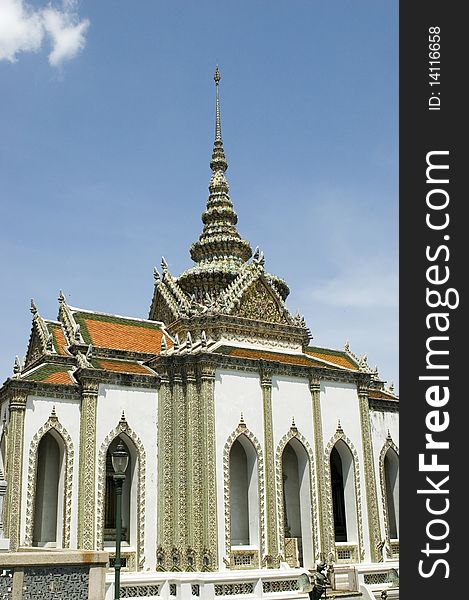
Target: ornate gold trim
(318,461)
(179,427)
(87,466)
(17,409)
(270,483)
(238,432)
(123,427)
(51,423)
(293,433)
(387,445)
(210,535)
(374,529)
(331,550)
(194,546)
(165,474)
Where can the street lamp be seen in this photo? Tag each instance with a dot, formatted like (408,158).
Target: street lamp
(120,460)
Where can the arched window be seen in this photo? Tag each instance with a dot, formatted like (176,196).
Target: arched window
(244,493)
(391,478)
(49,497)
(297,499)
(343,493)
(129,495)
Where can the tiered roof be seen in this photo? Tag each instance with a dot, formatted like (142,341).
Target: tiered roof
(226,304)
(119,333)
(222,274)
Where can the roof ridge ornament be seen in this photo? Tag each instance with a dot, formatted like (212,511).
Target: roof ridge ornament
(70,326)
(18,367)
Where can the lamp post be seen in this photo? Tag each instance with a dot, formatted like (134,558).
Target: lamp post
(120,460)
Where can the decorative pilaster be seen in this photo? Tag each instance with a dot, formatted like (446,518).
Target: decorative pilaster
(87,466)
(180,471)
(207,393)
(15,468)
(4,542)
(370,480)
(269,452)
(165,472)
(325,543)
(194,473)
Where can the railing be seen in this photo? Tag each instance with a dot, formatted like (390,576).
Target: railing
(346,553)
(281,584)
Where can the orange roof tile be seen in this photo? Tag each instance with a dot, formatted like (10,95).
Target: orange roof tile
(336,358)
(289,359)
(61,377)
(50,373)
(121,366)
(59,339)
(124,336)
(381,394)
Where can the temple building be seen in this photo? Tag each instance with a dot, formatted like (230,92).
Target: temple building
(250,448)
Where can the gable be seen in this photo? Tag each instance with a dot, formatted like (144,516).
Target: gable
(259,303)
(160,310)
(36,346)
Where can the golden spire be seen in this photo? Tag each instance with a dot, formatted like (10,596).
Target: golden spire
(218,156)
(219,244)
(217,78)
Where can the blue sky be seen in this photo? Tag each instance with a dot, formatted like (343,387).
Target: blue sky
(107,127)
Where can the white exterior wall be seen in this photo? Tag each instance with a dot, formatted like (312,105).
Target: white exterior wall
(140,408)
(381,423)
(291,399)
(38,410)
(339,401)
(235,393)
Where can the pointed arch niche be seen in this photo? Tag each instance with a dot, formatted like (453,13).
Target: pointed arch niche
(389,477)
(133,493)
(344,509)
(296,490)
(50,480)
(243,467)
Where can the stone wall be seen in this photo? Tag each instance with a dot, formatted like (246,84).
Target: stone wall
(48,575)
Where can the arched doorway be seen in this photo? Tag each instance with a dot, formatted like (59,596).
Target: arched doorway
(244,493)
(391,479)
(344,502)
(297,514)
(49,496)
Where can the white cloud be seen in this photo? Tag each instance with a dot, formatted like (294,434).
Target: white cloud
(25,29)
(67,34)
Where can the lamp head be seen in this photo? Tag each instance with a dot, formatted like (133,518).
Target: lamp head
(120,459)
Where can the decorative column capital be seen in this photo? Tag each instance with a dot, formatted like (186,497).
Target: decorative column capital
(207,371)
(190,374)
(89,387)
(18,401)
(363,383)
(314,383)
(177,377)
(164,374)
(265,377)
